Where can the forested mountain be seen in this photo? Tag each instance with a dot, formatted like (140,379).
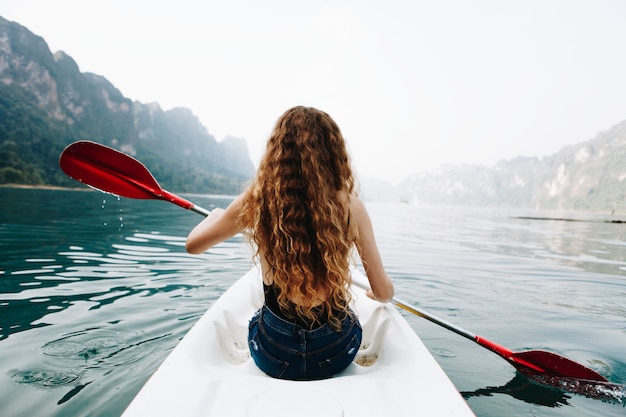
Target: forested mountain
(47,103)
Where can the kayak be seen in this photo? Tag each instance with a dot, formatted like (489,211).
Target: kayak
(210,372)
(114,172)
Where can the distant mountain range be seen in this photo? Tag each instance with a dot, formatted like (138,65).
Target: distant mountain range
(47,103)
(589,176)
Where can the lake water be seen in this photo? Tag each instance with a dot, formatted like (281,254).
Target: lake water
(95,291)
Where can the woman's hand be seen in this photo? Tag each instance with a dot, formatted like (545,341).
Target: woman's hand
(371,295)
(215,213)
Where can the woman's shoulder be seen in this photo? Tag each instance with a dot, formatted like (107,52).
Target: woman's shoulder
(357,207)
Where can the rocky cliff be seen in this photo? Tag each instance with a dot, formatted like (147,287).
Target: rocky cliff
(46,102)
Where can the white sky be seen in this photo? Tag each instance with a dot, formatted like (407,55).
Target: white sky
(412,84)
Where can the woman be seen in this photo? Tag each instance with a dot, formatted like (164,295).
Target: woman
(303,216)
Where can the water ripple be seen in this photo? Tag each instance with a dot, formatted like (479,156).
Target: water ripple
(45,377)
(84,348)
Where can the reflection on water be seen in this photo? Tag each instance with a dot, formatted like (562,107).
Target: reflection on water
(553,392)
(95,292)
(525,390)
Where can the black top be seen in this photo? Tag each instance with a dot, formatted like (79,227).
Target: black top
(271,301)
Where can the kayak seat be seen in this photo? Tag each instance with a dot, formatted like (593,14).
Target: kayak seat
(232,331)
(374,330)
(233,339)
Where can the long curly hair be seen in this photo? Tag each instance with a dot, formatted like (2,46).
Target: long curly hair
(296,211)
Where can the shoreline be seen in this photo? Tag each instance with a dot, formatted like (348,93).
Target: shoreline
(91,189)
(614,218)
(45,187)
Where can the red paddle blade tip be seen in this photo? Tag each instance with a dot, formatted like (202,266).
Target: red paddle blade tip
(598,390)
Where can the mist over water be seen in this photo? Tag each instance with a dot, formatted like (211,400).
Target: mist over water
(95,291)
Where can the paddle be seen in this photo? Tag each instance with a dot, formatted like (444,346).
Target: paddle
(117,173)
(531,362)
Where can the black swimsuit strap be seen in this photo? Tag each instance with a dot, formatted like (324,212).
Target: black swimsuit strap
(271,301)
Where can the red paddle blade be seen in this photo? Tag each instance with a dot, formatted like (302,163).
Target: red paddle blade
(532,363)
(553,365)
(540,362)
(109,170)
(115,172)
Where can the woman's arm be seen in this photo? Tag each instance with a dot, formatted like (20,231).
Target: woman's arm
(380,283)
(218,226)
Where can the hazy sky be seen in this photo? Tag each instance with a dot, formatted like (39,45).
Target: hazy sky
(412,84)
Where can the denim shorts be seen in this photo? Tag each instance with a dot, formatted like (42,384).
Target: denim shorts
(288,351)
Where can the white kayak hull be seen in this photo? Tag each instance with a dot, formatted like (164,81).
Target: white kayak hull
(210,372)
